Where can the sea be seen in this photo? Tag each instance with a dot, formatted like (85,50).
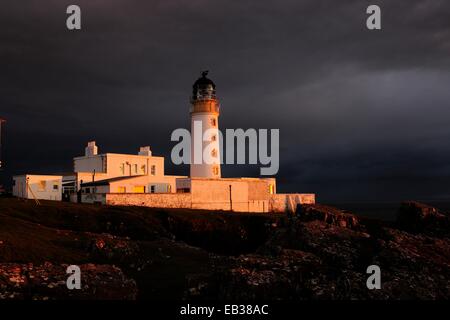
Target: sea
(386,211)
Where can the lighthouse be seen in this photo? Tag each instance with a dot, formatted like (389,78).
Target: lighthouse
(205,142)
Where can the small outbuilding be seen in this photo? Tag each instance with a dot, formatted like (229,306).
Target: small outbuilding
(41,187)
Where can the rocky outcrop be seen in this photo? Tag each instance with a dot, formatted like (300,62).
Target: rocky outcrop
(320,259)
(287,275)
(327,214)
(48,282)
(106,246)
(413,266)
(417,217)
(222,233)
(321,253)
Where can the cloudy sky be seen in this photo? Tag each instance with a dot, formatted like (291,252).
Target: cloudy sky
(363,115)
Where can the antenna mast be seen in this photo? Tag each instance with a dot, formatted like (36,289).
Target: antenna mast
(2,162)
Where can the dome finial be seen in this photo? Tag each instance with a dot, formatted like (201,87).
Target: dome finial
(204,88)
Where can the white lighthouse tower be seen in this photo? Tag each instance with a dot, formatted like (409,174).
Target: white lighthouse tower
(205,147)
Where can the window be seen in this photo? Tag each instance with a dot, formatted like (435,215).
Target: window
(153,170)
(215,170)
(213,122)
(121,190)
(152,189)
(87,190)
(214,153)
(55,187)
(122,169)
(42,185)
(213,137)
(135,168)
(143,169)
(271,189)
(138,189)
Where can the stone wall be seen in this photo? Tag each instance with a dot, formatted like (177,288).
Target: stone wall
(287,202)
(92,198)
(156,200)
(259,189)
(276,203)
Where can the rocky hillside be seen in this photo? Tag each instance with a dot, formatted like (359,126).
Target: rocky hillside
(143,253)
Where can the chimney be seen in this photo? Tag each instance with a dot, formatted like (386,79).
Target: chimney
(145,151)
(91,149)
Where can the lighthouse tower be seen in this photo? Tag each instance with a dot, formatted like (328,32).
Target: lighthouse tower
(205,151)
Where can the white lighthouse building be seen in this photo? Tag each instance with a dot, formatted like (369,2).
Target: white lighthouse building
(140,179)
(205,142)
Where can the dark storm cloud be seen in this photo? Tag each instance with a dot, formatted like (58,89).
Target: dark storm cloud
(362,115)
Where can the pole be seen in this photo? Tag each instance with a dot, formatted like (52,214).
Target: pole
(2,160)
(2,129)
(32,193)
(231,200)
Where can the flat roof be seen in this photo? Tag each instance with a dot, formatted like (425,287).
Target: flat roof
(37,175)
(228,179)
(106,182)
(117,154)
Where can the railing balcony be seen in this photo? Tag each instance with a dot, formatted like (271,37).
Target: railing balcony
(205,106)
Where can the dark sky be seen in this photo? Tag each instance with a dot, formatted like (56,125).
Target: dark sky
(363,115)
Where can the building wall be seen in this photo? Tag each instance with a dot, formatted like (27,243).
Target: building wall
(209,122)
(43,187)
(93,198)
(156,200)
(115,163)
(183,184)
(258,189)
(19,187)
(258,206)
(97,189)
(89,177)
(205,194)
(214,194)
(247,194)
(162,184)
(89,164)
(287,202)
(112,165)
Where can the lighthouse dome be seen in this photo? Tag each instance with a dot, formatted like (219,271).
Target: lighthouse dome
(204,88)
